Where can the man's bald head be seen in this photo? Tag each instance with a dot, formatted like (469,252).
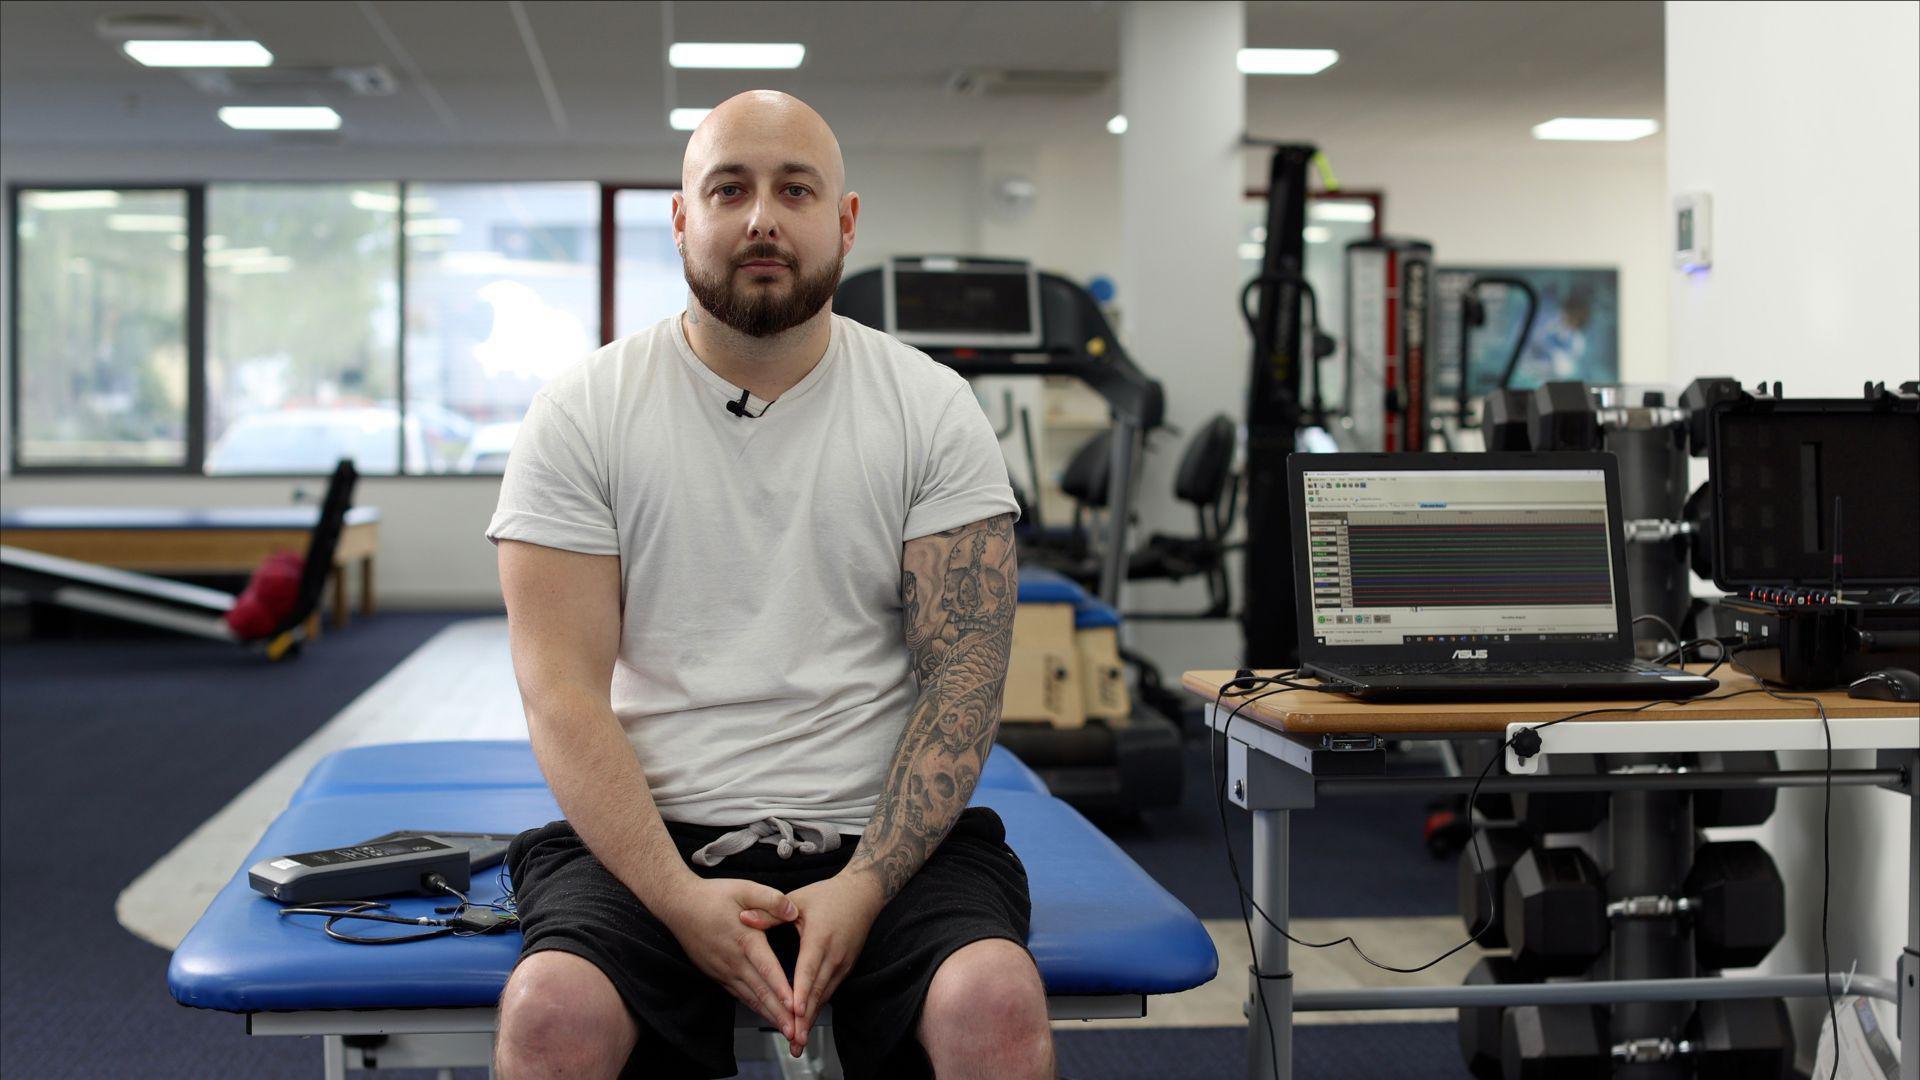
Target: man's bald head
(752,124)
(763,219)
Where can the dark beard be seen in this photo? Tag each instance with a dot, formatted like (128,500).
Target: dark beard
(757,313)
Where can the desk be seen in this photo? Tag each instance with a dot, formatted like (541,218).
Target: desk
(195,541)
(1286,749)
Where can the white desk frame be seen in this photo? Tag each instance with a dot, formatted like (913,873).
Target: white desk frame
(1270,773)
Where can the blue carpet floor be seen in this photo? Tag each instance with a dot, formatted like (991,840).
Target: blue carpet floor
(1353,857)
(113,750)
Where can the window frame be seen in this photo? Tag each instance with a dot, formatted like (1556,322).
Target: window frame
(196,327)
(610,243)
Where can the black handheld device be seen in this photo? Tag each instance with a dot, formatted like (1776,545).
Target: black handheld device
(388,867)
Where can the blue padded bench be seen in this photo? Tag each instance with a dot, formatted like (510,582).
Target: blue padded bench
(1039,585)
(509,763)
(1105,934)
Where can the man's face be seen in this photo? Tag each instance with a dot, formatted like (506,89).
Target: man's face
(763,227)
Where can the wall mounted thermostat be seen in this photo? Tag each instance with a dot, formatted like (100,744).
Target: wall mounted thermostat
(1693,231)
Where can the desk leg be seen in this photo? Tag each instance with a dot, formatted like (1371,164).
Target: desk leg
(366,585)
(1270,1027)
(1908,975)
(333,1061)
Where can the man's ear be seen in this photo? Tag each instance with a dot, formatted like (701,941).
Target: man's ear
(849,216)
(680,221)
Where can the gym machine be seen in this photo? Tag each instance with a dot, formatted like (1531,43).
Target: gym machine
(1276,410)
(271,615)
(982,316)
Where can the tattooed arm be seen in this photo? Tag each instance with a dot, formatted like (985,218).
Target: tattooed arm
(957,592)
(957,589)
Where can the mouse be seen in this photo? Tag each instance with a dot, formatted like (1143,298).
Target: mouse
(1887,684)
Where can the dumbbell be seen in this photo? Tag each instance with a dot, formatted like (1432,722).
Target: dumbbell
(1557,919)
(1480,1024)
(1725,1040)
(1718,808)
(1553,907)
(1482,882)
(1563,811)
(1563,418)
(1504,419)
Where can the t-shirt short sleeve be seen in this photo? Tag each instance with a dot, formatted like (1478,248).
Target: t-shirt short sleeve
(553,493)
(966,478)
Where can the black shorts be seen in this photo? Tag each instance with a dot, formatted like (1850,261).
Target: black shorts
(972,888)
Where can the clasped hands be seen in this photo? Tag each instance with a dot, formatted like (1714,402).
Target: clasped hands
(722,924)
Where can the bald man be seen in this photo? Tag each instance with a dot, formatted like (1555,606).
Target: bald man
(759,569)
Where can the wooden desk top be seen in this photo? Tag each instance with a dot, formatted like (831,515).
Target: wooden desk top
(1313,711)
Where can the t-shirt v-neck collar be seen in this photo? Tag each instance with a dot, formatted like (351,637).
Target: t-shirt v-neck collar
(755,404)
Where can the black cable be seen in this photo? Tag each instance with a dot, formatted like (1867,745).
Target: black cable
(364,909)
(465,919)
(1826,853)
(1672,634)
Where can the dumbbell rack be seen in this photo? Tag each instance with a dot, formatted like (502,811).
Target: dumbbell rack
(1664,901)
(1286,752)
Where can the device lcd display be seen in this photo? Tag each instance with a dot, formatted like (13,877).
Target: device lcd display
(1475,556)
(336,856)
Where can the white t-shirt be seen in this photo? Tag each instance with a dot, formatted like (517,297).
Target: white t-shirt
(762,669)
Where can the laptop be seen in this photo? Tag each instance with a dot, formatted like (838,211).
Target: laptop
(1467,577)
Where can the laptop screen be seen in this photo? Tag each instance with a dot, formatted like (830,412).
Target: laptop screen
(1438,556)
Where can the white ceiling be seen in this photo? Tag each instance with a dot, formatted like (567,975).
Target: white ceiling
(1437,77)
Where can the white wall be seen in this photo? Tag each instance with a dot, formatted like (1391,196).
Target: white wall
(1545,204)
(432,552)
(1802,121)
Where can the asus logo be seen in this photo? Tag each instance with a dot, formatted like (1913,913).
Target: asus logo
(1469,654)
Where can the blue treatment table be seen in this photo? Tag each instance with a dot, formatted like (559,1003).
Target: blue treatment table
(1105,935)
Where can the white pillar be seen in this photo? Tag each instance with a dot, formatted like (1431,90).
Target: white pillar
(1181,193)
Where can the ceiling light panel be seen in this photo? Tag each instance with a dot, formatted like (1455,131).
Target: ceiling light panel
(280,118)
(1286,61)
(736,56)
(1595,129)
(199,54)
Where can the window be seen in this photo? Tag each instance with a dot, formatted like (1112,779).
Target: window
(101,364)
(648,281)
(503,292)
(272,328)
(303,296)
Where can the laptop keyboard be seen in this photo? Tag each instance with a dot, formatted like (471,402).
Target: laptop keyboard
(1505,667)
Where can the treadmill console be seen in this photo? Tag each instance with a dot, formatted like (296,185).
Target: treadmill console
(943,301)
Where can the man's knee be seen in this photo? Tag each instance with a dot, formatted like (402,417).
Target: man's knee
(987,995)
(559,1015)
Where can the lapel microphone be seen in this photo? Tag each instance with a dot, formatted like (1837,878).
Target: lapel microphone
(739,408)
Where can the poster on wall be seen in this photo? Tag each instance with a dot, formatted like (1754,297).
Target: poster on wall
(1575,335)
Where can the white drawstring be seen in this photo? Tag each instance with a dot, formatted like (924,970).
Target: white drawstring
(776,831)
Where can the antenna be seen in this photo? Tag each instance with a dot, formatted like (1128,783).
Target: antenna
(1837,560)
